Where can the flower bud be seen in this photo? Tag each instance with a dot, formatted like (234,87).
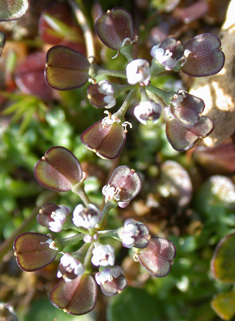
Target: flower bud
(134,234)
(103,255)
(53,216)
(86,217)
(111,280)
(157,257)
(203,56)
(123,185)
(168,53)
(58,170)
(101,94)
(115,28)
(70,267)
(137,71)
(34,251)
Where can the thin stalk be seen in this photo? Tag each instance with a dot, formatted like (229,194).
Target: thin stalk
(79,190)
(82,21)
(123,109)
(69,240)
(107,207)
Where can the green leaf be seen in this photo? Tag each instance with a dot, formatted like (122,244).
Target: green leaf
(224,305)
(133,304)
(223,261)
(12,9)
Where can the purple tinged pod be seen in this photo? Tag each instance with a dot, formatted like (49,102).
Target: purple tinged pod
(66,68)
(123,185)
(75,297)
(58,170)
(186,108)
(203,56)
(183,138)
(34,251)
(157,257)
(115,28)
(29,76)
(106,137)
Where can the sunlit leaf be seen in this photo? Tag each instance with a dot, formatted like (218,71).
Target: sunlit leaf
(58,170)
(224,305)
(12,9)
(66,68)
(223,261)
(75,297)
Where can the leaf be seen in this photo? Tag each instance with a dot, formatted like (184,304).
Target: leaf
(223,261)
(224,305)
(12,9)
(66,68)
(75,297)
(133,304)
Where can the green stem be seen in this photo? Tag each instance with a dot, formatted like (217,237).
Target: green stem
(123,109)
(87,260)
(144,96)
(118,89)
(82,21)
(127,51)
(107,207)
(95,71)
(165,95)
(109,233)
(62,243)
(79,190)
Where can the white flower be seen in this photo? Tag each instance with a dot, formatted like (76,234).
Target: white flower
(70,266)
(137,71)
(147,110)
(107,89)
(103,255)
(134,234)
(59,217)
(86,217)
(108,275)
(111,193)
(164,57)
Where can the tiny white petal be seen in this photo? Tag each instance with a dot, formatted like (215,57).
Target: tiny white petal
(138,71)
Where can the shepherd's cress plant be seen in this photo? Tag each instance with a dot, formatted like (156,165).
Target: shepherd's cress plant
(93,262)
(199,57)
